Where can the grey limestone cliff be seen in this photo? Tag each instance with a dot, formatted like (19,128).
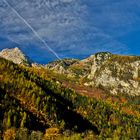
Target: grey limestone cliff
(15,55)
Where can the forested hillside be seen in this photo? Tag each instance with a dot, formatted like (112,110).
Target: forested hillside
(34,107)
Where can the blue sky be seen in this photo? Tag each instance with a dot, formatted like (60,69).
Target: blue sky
(72,28)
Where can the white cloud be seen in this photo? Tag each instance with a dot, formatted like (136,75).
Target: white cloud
(69,25)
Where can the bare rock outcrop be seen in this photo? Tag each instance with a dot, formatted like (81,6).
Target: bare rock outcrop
(15,55)
(116,74)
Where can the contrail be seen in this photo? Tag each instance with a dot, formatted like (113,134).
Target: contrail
(10,39)
(33,30)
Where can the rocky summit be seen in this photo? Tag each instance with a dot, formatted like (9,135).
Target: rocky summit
(112,73)
(115,74)
(15,55)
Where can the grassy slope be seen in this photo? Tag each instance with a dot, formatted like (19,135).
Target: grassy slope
(30,101)
(124,103)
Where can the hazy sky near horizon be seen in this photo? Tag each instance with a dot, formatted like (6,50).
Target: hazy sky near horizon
(72,28)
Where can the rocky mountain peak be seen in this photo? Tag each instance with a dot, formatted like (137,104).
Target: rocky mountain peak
(117,74)
(98,60)
(15,55)
(61,66)
(101,57)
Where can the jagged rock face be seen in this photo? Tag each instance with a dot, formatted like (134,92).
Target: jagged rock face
(117,74)
(61,66)
(72,67)
(98,60)
(16,56)
(113,73)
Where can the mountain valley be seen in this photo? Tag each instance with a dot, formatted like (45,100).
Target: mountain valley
(69,99)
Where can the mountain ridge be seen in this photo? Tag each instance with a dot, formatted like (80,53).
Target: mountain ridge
(113,73)
(16,55)
(42,103)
